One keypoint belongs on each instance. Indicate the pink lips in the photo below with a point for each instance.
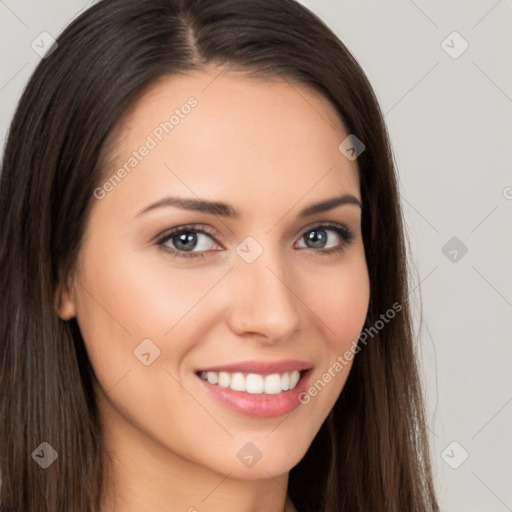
(259, 405)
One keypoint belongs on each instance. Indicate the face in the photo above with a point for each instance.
(207, 324)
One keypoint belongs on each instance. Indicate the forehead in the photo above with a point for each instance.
(220, 133)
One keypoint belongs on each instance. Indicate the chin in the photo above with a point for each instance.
(260, 460)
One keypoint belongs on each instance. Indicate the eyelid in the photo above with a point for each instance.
(199, 228)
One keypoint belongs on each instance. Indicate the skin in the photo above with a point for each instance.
(269, 149)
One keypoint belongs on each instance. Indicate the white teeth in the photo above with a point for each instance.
(285, 381)
(294, 378)
(254, 383)
(237, 382)
(224, 379)
(212, 377)
(273, 384)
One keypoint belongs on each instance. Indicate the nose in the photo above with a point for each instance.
(262, 301)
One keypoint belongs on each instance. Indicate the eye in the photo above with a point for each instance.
(187, 241)
(318, 238)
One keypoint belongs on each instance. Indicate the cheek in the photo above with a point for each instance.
(126, 309)
(125, 301)
(342, 302)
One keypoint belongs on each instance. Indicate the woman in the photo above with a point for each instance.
(205, 304)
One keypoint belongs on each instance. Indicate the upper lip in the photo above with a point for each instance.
(260, 367)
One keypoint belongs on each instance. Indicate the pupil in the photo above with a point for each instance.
(316, 239)
(185, 238)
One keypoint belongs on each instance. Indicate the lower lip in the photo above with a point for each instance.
(261, 405)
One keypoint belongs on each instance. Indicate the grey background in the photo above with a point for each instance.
(450, 123)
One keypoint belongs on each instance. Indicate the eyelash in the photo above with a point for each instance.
(344, 233)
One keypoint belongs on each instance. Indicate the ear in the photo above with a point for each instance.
(65, 302)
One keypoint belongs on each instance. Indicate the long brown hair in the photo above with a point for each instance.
(371, 454)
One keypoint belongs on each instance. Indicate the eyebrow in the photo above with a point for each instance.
(226, 210)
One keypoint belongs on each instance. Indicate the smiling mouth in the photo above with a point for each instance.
(253, 383)
(259, 389)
